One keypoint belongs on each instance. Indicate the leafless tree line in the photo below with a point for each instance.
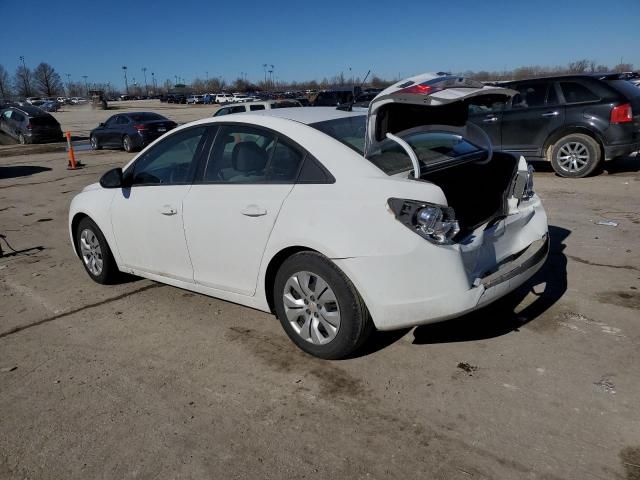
(45, 81)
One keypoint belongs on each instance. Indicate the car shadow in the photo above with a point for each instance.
(622, 165)
(21, 171)
(502, 317)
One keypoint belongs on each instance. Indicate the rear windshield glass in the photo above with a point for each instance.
(47, 121)
(349, 130)
(431, 147)
(145, 117)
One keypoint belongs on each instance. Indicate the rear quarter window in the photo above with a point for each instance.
(576, 92)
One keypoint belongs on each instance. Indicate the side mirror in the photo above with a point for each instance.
(101, 124)
(112, 179)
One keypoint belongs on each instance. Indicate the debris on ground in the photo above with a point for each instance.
(8, 369)
(607, 223)
(467, 367)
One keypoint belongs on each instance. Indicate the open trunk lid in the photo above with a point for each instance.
(428, 99)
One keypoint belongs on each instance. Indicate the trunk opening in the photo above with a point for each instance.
(477, 192)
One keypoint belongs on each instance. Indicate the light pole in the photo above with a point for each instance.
(68, 84)
(146, 87)
(24, 77)
(153, 82)
(86, 85)
(126, 83)
(264, 65)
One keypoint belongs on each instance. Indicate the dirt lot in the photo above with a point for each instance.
(142, 380)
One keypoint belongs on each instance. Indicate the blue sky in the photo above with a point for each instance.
(188, 38)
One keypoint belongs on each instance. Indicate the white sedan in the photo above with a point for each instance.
(337, 221)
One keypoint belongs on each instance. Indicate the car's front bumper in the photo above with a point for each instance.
(436, 283)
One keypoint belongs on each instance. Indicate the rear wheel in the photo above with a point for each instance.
(95, 253)
(94, 143)
(127, 144)
(22, 139)
(319, 308)
(575, 156)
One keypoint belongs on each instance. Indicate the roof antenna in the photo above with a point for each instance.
(349, 107)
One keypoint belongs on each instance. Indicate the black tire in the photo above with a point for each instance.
(585, 148)
(109, 272)
(355, 323)
(95, 145)
(127, 144)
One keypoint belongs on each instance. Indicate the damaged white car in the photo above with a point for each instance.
(337, 221)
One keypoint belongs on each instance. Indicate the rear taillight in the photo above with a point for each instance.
(418, 89)
(436, 223)
(622, 114)
(140, 127)
(28, 127)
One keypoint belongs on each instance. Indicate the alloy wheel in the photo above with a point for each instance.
(311, 307)
(573, 157)
(91, 252)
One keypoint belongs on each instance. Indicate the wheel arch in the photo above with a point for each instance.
(570, 130)
(274, 265)
(75, 221)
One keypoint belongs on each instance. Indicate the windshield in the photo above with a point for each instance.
(432, 147)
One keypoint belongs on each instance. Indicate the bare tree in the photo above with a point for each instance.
(579, 66)
(623, 67)
(22, 81)
(47, 80)
(5, 84)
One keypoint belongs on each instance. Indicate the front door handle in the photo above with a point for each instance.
(253, 211)
(168, 210)
(551, 114)
(490, 119)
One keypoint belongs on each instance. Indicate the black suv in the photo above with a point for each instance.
(30, 125)
(574, 121)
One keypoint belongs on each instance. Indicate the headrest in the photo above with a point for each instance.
(248, 157)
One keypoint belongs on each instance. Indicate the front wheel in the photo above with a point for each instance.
(319, 308)
(575, 156)
(95, 253)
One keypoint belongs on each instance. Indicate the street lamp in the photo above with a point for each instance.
(24, 77)
(153, 82)
(126, 84)
(68, 84)
(146, 87)
(86, 85)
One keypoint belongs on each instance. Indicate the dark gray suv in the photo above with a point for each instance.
(29, 124)
(574, 121)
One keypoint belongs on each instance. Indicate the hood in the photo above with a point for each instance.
(426, 99)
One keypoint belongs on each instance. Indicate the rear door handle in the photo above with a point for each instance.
(253, 211)
(490, 119)
(168, 210)
(551, 114)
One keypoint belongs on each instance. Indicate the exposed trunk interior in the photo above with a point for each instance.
(477, 192)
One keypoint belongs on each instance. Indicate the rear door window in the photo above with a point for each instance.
(530, 95)
(575, 92)
(253, 108)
